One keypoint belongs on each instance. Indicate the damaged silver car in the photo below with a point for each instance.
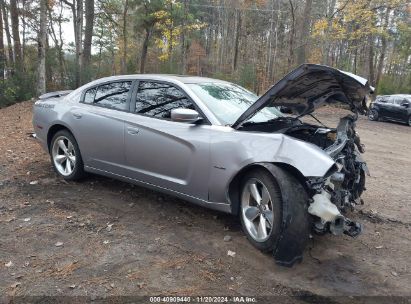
(218, 145)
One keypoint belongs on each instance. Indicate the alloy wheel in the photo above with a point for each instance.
(257, 210)
(372, 115)
(64, 155)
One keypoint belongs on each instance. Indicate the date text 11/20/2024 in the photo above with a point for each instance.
(203, 299)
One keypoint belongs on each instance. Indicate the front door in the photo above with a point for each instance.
(402, 109)
(390, 108)
(165, 153)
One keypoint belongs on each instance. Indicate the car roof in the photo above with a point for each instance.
(163, 77)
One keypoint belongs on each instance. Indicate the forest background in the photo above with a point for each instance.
(49, 45)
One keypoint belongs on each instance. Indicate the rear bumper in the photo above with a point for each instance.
(40, 132)
(43, 143)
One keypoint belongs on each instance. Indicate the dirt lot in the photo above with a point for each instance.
(119, 239)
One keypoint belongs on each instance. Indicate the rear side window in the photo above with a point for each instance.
(89, 96)
(158, 99)
(110, 95)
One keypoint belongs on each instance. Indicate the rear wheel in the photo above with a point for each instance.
(373, 115)
(65, 156)
(261, 206)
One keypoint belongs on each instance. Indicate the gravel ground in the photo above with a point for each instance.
(101, 237)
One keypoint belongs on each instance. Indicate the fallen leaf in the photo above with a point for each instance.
(231, 253)
(9, 264)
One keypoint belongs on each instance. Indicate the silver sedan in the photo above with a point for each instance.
(218, 145)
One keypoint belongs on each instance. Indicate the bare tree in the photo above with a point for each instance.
(7, 31)
(77, 11)
(88, 35)
(304, 31)
(124, 30)
(57, 37)
(326, 48)
(237, 38)
(383, 48)
(42, 37)
(184, 40)
(369, 59)
(290, 59)
(14, 14)
(144, 49)
(2, 56)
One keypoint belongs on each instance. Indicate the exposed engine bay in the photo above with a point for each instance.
(340, 190)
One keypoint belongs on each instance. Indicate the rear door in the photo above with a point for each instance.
(165, 153)
(98, 124)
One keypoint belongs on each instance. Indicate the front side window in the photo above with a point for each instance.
(111, 95)
(391, 100)
(405, 101)
(398, 101)
(158, 99)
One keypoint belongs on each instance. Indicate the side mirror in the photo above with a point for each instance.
(185, 115)
(405, 104)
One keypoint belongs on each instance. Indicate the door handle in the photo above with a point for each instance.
(133, 131)
(77, 115)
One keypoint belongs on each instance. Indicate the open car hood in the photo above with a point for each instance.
(310, 86)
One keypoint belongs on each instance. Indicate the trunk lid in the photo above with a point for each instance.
(55, 94)
(310, 86)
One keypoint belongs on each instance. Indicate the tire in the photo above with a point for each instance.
(66, 157)
(373, 115)
(270, 213)
(409, 121)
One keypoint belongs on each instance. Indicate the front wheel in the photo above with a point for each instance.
(373, 115)
(261, 206)
(65, 156)
(273, 212)
(409, 121)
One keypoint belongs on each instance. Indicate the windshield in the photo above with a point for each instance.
(228, 101)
